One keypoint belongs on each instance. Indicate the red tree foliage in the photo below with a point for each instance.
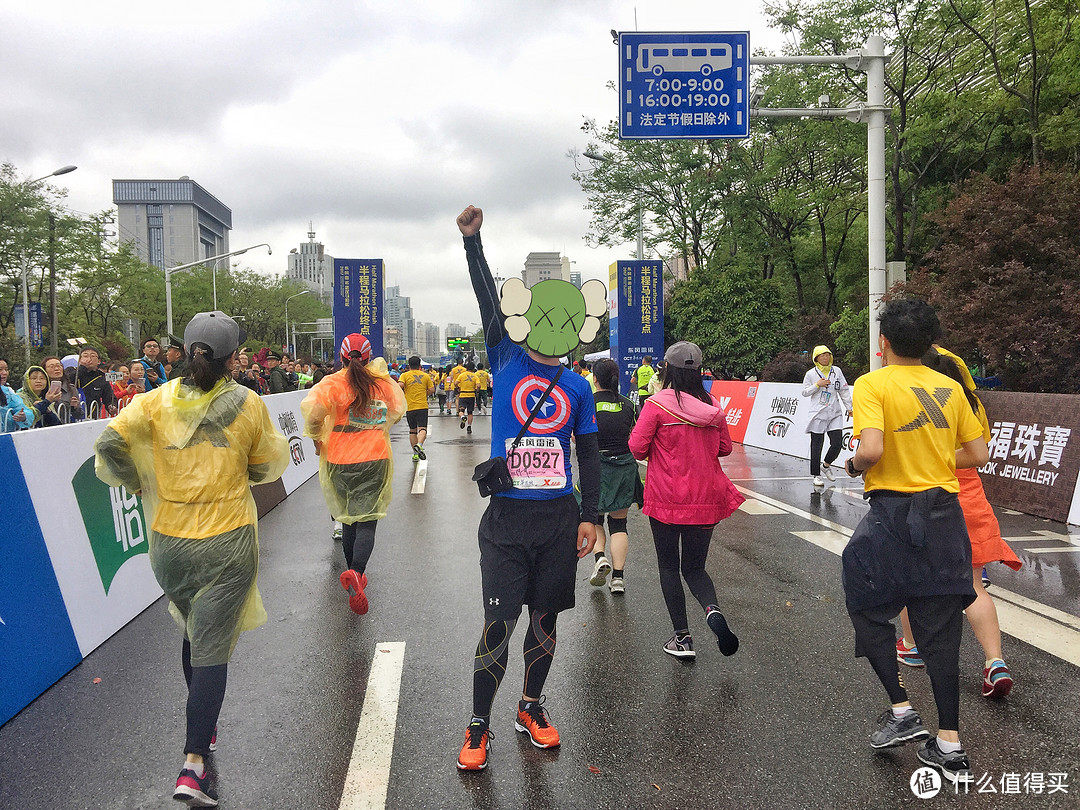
(1005, 279)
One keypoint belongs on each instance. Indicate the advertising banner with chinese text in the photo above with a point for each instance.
(636, 316)
(358, 301)
(1034, 452)
(737, 398)
(779, 419)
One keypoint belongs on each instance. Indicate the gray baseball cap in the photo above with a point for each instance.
(683, 355)
(216, 330)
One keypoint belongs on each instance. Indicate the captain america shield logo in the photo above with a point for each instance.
(554, 413)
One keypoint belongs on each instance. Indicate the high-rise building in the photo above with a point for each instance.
(171, 222)
(541, 266)
(428, 344)
(399, 315)
(455, 330)
(312, 266)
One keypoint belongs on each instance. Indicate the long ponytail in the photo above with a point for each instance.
(362, 382)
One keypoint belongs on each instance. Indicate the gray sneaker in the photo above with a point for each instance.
(893, 731)
(954, 766)
(617, 585)
(826, 469)
(600, 572)
(336, 534)
(680, 646)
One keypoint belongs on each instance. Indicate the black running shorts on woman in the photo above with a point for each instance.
(528, 555)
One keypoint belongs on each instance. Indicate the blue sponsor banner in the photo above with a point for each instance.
(636, 315)
(35, 323)
(358, 301)
(37, 644)
(684, 85)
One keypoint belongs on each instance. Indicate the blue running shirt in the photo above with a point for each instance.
(519, 381)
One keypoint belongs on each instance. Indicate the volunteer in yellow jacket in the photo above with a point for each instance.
(915, 428)
(349, 415)
(192, 447)
(418, 386)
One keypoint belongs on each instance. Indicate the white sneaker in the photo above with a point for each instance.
(336, 534)
(827, 470)
(818, 483)
(600, 572)
(617, 585)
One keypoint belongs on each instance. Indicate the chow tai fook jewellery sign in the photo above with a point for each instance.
(1034, 452)
(358, 301)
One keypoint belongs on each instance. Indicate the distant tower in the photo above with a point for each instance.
(312, 266)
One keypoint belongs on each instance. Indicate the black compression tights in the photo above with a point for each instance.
(489, 665)
(206, 691)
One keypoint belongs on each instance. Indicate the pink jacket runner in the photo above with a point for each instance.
(683, 442)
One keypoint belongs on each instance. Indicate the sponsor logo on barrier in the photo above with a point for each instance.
(785, 405)
(288, 424)
(778, 426)
(114, 522)
(296, 451)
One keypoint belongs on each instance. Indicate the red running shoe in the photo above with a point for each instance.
(534, 722)
(352, 581)
(997, 680)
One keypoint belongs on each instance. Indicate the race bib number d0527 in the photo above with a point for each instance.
(536, 463)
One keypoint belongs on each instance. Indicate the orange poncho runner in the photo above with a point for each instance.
(355, 466)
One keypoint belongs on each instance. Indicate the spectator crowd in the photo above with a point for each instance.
(81, 386)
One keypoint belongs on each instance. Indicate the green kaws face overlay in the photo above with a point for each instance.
(553, 317)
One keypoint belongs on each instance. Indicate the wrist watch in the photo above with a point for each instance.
(851, 467)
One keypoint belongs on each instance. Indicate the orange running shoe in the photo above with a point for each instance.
(534, 722)
(473, 756)
(358, 601)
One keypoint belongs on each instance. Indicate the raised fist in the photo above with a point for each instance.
(470, 220)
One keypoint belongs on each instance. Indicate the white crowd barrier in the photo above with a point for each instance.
(76, 566)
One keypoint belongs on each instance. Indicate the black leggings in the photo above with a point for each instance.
(817, 441)
(358, 541)
(206, 691)
(695, 548)
(492, 653)
(937, 623)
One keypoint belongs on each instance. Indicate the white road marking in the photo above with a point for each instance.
(1057, 550)
(1051, 630)
(419, 479)
(754, 507)
(369, 767)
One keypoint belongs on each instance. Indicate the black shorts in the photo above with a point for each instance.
(417, 419)
(465, 403)
(528, 555)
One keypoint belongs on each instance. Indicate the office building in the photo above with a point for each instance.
(399, 315)
(313, 267)
(428, 344)
(171, 222)
(542, 266)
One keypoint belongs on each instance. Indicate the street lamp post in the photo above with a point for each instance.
(287, 300)
(169, 271)
(594, 155)
(25, 269)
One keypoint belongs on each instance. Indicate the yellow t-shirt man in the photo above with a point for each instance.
(924, 416)
(466, 384)
(417, 385)
(484, 378)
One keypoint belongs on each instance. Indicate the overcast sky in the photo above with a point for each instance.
(376, 121)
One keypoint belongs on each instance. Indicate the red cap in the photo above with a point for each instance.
(355, 343)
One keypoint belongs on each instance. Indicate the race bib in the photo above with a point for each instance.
(537, 463)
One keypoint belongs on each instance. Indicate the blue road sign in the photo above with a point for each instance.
(684, 85)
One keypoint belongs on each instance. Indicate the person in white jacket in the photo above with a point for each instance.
(830, 405)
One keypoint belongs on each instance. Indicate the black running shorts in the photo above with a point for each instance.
(528, 555)
(465, 403)
(417, 419)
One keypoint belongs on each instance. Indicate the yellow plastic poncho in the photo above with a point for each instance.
(356, 468)
(193, 456)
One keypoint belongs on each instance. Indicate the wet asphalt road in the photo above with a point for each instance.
(782, 724)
